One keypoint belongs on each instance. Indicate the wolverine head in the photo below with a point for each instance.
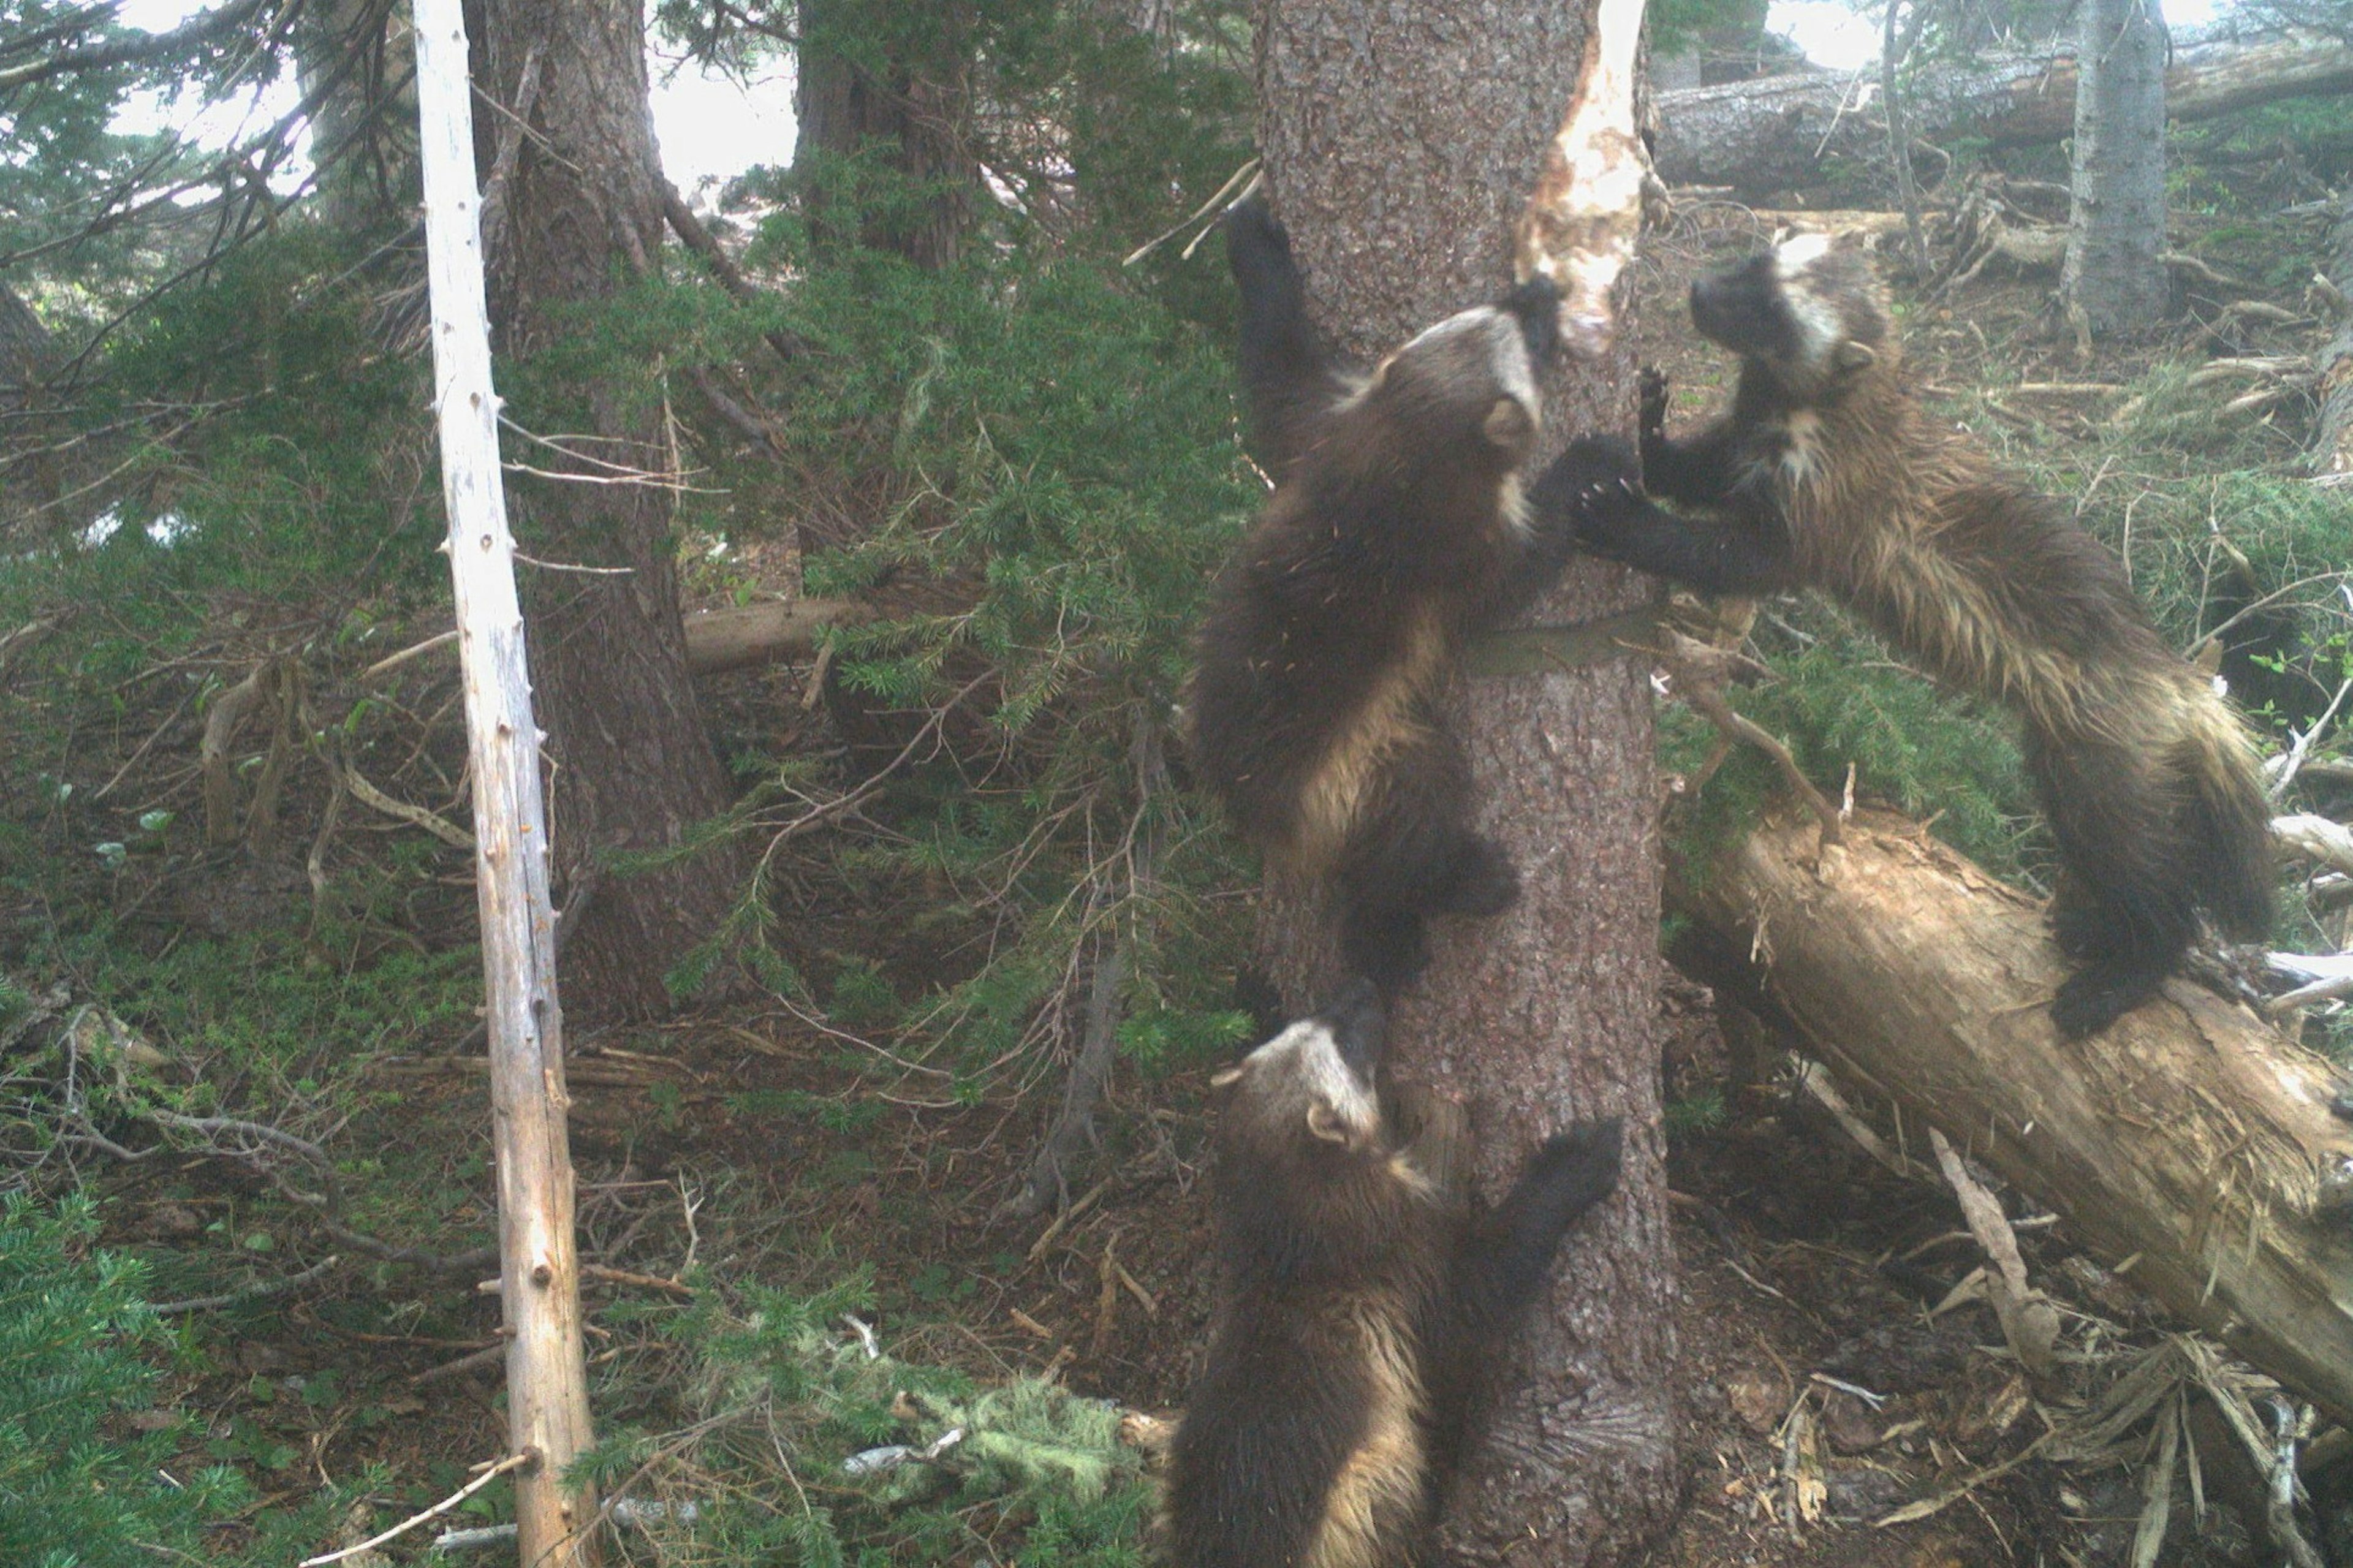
(1811, 310)
(1474, 376)
(1313, 1080)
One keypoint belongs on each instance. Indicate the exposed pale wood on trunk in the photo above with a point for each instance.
(1776, 132)
(539, 1270)
(230, 710)
(2189, 1136)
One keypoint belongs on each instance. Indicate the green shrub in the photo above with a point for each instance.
(79, 1488)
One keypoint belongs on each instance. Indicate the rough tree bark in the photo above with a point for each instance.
(634, 765)
(1401, 143)
(1775, 133)
(2114, 277)
(2188, 1135)
(2333, 448)
(890, 84)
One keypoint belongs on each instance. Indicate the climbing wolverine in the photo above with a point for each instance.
(1827, 473)
(1398, 528)
(1360, 1304)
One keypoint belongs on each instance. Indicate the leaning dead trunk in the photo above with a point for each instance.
(1776, 133)
(2115, 274)
(2188, 1146)
(548, 1425)
(1400, 145)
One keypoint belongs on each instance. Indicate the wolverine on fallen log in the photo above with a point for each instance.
(1827, 473)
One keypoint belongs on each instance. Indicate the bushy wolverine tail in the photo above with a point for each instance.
(2229, 821)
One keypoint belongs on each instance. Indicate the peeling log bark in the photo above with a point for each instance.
(2188, 1136)
(1777, 132)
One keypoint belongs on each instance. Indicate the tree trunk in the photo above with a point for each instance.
(634, 765)
(898, 94)
(357, 57)
(2114, 277)
(1401, 143)
(1777, 132)
(2188, 1134)
(548, 1422)
(2333, 450)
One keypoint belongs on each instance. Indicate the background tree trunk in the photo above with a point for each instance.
(2114, 276)
(359, 58)
(634, 765)
(890, 83)
(1401, 143)
(2333, 450)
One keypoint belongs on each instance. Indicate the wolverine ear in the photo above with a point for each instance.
(1327, 1123)
(1853, 356)
(1508, 427)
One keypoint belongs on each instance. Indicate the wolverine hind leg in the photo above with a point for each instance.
(2127, 903)
(1413, 854)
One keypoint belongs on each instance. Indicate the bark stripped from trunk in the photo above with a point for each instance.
(635, 767)
(539, 1269)
(1776, 133)
(1580, 226)
(2188, 1138)
(1399, 143)
(2114, 276)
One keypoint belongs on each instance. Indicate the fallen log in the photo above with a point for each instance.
(1777, 132)
(716, 640)
(2188, 1146)
(747, 635)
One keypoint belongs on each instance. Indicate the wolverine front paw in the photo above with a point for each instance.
(1593, 488)
(1257, 247)
(1655, 402)
(1578, 1167)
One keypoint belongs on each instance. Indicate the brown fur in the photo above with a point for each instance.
(1399, 528)
(1359, 1301)
(1827, 473)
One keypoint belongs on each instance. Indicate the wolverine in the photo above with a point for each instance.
(1827, 473)
(1399, 528)
(1361, 1304)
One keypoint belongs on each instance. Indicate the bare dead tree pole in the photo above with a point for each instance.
(539, 1276)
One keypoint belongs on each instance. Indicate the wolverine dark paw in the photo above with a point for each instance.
(1653, 424)
(2075, 923)
(1578, 1168)
(1388, 947)
(1257, 246)
(2095, 997)
(1536, 305)
(1593, 487)
(1482, 882)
